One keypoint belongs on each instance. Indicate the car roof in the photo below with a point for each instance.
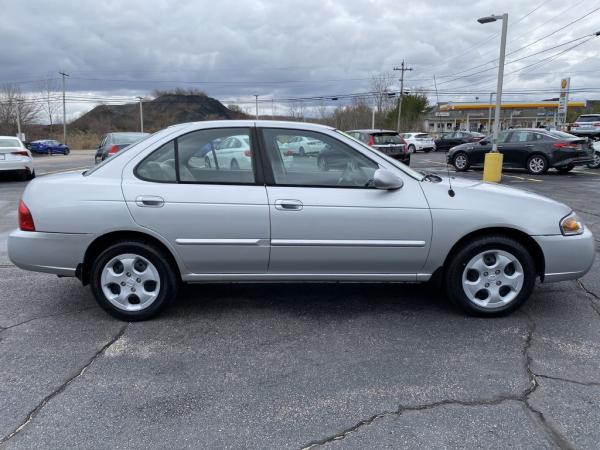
(372, 130)
(591, 114)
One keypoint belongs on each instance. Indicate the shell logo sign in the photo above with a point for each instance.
(564, 83)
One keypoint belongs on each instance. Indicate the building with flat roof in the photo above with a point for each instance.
(475, 116)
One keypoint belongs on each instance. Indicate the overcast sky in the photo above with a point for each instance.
(234, 49)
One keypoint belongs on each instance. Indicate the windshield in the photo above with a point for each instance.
(413, 173)
(128, 138)
(588, 119)
(4, 142)
(386, 138)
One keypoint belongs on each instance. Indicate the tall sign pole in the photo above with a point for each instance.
(563, 102)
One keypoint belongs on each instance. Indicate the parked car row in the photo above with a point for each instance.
(533, 149)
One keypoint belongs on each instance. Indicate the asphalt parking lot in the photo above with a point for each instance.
(301, 365)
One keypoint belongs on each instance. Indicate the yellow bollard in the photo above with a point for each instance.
(492, 167)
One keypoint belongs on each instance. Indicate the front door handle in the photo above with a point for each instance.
(150, 201)
(288, 205)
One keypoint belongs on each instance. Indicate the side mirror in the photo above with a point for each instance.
(384, 179)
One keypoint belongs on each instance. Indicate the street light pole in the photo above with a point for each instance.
(490, 113)
(141, 116)
(499, 86)
(256, 99)
(19, 118)
(492, 166)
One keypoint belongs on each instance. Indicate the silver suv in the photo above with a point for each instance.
(587, 125)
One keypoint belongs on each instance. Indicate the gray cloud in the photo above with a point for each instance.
(285, 48)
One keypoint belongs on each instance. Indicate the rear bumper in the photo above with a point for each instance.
(11, 166)
(578, 161)
(567, 257)
(57, 253)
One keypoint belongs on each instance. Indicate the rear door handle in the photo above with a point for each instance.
(288, 205)
(149, 201)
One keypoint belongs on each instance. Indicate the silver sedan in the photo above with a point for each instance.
(153, 216)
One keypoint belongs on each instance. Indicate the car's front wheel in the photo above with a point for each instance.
(461, 162)
(596, 163)
(133, 280)
(412, 149)
(490, 276)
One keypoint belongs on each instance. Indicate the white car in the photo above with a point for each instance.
(301, 146)
(419, 141)
(232, 153)
(14, 157)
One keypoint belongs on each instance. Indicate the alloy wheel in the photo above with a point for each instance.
(537, 164)
(460, 161)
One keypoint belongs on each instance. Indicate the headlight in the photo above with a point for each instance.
(571, 225)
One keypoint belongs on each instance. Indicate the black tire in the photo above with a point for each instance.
(234, 165)
(456, 266)
(565, 169)
(596, 163)
(301, 151)
(427, 150)
(207, 162)
(67, 151)
(30, 175)
(169, 282)
(412, 149)
(537, 164)
(459, 165)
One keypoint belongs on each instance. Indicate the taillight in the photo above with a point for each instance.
(25, 218)
(566, 145)
(114, 149)
(248, 153)
(371, 141)
(20, 153)
(596, 124)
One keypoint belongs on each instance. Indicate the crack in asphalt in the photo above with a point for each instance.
(45, 317)
(595, 307)
(555, 437)
(34, 412)
(567, 380)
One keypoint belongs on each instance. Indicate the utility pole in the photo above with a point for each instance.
(19, 118)
(64, 109)
(256, 98)
(402, 69)
(141, 116)
(272, 108)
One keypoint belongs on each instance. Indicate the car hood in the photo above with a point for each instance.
(496, 205)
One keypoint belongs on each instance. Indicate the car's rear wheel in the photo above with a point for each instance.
(301, 151)
(537, 165)
(412, 149)
(461, 162)
(207, 162)
(67, 151)
(133, 280)
(234, 164)
(490, 276)
(427, 150)
(565, 169)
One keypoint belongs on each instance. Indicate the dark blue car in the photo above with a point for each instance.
(48, 146)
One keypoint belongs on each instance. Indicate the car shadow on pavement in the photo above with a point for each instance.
(318, 299)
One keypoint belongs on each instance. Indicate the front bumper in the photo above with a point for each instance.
(57, 253)
(567, 257)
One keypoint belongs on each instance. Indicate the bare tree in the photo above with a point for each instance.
(380, 85)
(12, 98)
(51, 101)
